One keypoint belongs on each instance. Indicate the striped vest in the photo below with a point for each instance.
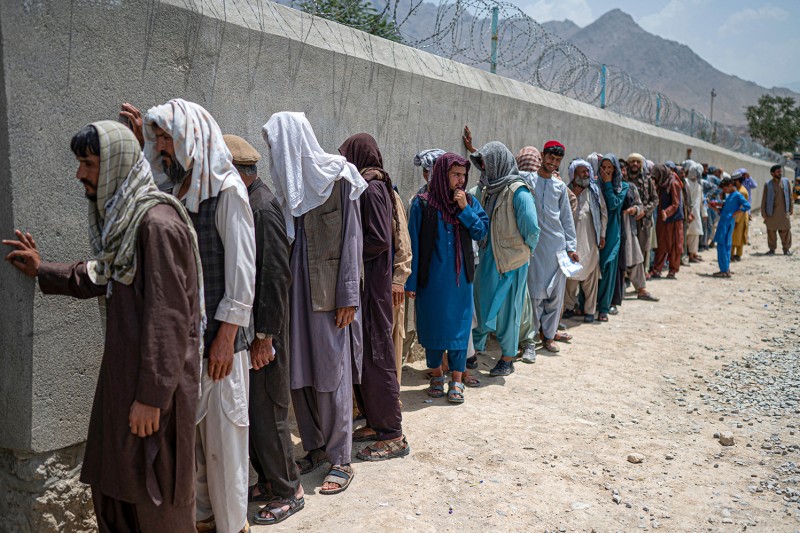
(212, 256)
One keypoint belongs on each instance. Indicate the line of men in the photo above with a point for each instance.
(224, 301)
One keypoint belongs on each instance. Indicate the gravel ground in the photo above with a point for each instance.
(629, 428)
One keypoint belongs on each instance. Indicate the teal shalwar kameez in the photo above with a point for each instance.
(609, 256)
(499, 298)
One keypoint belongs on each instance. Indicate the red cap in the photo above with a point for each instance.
(553, 144)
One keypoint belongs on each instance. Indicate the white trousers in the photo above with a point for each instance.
(693, 243)
(221, 446)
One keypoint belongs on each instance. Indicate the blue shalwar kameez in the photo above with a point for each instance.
(734, 203)
(444, 307)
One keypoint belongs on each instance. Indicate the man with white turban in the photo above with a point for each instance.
(694, 226)
(590, 218)
(319, 193)
(186, 149)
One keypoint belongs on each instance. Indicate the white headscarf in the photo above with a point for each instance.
(579, 163)
(302, 172)
(695, 172)
(594, 160)
(198, 145)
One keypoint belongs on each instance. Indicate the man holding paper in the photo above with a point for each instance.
(546, 281)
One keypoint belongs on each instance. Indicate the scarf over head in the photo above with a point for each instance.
(199, 146)
(440, 197)
(427, 158)
(303, 174)
(616, 178)
(694, 171)
(662, 175)
(499, 171)
(594, 191)
(126, 191)
(594, 160)
(529, 159)
(362, 151)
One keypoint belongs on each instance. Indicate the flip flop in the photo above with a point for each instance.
(563, 337)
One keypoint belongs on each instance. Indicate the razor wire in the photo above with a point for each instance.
(461, 30)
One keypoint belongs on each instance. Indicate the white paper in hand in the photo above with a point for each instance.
(567, 266)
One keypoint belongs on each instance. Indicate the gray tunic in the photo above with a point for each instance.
(558, 234)
(319, 351)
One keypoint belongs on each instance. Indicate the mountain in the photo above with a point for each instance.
(665, 66)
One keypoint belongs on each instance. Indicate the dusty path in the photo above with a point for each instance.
(546, 448)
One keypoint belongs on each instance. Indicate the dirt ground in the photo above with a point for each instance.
(546, 449)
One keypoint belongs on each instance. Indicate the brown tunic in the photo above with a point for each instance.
(151, 355)
(780, 219)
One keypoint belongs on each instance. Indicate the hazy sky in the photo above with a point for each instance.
(752, 39)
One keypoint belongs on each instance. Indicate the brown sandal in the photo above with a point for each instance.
(364, 434)
(385, 449)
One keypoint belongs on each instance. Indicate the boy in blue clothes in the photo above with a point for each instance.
(734, 202)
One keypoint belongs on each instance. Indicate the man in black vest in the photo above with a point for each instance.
(185, 147)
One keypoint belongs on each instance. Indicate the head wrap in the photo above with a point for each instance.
(662, 176)
(671, 165)
(594, 160)
(302, 172)
(740, 171)
(712, 169)
(574, 166)
(695, 171)
(498, 172)
(439, 196)
(362, 151)
(616, 178)
(636, 157)
(199, 146)
(647, 168)
(498, 168)
(427, 158)
(529, 159)
(126, 191)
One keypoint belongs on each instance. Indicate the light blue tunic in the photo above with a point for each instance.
(444, 308)
(499, 298)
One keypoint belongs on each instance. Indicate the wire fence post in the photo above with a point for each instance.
(691, 126)
(495, 16)
(603, 73)
(658, 109)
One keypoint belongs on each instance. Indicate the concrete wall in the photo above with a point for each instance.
(65, 64)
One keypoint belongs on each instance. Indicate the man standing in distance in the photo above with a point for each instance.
(777, 209)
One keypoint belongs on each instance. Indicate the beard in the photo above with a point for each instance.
(174, 170)
(583, 183)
